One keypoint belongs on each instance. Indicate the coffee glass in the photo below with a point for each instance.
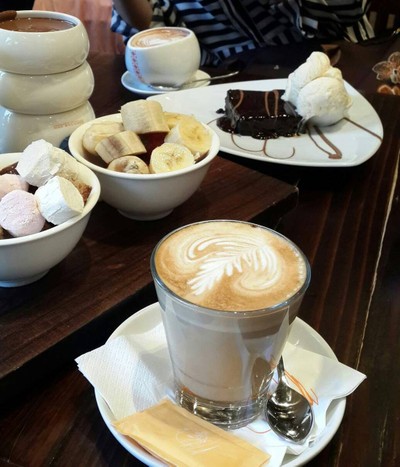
(229, 291)
(166, 56)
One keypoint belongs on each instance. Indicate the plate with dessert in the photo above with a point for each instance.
(313, 118)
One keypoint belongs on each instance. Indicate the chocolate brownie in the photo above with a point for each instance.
(260, 114)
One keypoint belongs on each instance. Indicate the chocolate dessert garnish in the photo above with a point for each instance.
(259, 114)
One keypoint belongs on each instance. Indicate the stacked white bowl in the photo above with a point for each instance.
(45, 82)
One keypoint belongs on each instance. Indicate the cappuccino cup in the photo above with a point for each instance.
(228, 291)
(167, 56)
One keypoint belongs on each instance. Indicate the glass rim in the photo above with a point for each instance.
(242, 313)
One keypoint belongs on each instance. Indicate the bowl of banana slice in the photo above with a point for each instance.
(148, 161)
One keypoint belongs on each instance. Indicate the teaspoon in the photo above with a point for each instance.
(288, 413)
(161, 87)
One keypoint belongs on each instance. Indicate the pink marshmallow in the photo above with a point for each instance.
(19, 214)
(10, 182)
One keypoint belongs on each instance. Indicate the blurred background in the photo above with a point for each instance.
(96, 14)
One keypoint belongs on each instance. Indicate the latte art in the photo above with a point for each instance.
(159, 36)
(256, 266)
(230, 266)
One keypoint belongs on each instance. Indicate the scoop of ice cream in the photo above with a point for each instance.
(59, 200)
(315, 66)
(41, 161)
(19, 214)
(323, 101)
(316, 90)
(11, 182)
(333, 72)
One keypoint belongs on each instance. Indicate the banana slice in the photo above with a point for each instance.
(98, 131)
(129, 165)
(143, 116)
(118, 145)
(170, 157)
(191, 133)
(173, 118)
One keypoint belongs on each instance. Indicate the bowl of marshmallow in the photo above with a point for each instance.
(46, 198)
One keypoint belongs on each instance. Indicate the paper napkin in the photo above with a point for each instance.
(133, 373)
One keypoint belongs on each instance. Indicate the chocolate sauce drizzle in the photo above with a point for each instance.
(363, 128)
(335, 152)
(267, 94)
(276, 102)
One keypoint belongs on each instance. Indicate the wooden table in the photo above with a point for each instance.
(347, 223)
(80, 302)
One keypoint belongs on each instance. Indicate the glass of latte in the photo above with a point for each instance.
(165, 56)
(228, 291)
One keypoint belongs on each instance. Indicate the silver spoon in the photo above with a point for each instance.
(288, 413)
(161, 87)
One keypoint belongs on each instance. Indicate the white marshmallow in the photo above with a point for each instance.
(41, 161)
(59, 200)
(11, 182)
(19, 214)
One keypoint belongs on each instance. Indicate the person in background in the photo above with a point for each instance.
(228, 27)
(16, 5)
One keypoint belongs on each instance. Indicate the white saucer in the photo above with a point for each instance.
(301, 335)
(129, 83)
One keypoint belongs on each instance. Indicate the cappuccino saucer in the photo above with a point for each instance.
(148, 321)
(132, 85)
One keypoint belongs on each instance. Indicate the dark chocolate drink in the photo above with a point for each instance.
(36, 24)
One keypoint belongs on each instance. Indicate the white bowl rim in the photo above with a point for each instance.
(45, 14)
(77, 135)
(90, 204)
(83, 68)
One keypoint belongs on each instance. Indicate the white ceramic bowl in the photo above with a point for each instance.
(38, 53)
(24, 260)
(149, 196)
(17, 130)
(46, 94)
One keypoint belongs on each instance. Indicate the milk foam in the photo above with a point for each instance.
(152, 38)
(231, 266)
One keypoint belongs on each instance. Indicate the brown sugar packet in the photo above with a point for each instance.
(180, 438)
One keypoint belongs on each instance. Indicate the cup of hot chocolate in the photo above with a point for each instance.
(167, 56)
(35, 42)
(45, 80)
(229, 291)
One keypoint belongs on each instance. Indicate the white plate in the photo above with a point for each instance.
(301, 335)
(355, 143)
(129, 83)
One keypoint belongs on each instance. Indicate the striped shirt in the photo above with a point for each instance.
(228, 27)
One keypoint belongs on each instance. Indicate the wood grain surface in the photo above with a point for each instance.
(347, 221)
